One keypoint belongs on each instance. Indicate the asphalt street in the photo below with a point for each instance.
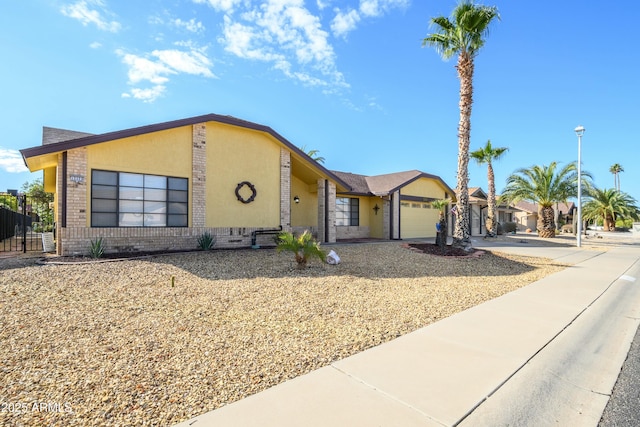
(623, 409)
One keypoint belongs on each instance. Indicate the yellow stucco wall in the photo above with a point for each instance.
(424, 187)
(166, 153)
(376, 220)
(235, 155)
(304, 213)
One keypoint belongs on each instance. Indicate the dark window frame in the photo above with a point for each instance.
(110, 189)
(352, 216)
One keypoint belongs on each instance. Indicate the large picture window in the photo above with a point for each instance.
(347, 211)
(120, 199)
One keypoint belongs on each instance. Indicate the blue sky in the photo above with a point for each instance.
(348, 78)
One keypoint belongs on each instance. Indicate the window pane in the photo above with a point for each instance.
(131, 179)
(178, 208)
(155, 207)
(154, 220)
(102, 205)
(104, 177)
(131, 193)
(104, 192)
(153, 181)
(130, 220)
(178, 184)
(153, 194)
(177, 221)
(178, 196)
(104, 220)
(131, 206)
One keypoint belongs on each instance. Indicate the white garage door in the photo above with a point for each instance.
(417, 220)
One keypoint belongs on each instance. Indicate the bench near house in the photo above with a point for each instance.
(159, 187)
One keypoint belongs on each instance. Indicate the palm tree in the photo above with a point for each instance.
(544, 185)
(303, 247)
(615, 169)
(463, 36)
(486, 155)
(441, 236)
(608, 204)
(313, 154)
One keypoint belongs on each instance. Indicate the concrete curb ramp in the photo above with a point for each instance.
(464, 369)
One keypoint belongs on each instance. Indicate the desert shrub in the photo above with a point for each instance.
(96, 248)
(206, 241)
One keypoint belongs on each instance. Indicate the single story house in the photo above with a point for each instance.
(526, 216)
(161, 186)
(478, 211)
(395, 205)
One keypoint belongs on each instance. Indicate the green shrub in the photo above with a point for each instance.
(206, 241)
(96, 248)
(303, 247)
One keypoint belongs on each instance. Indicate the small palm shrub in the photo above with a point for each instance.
(303, 247)
(96, 248)
(206, 241)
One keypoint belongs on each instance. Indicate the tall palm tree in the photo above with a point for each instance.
(544, 185)
(462, 35)
(615, 169)
(488, 154)
(608, 204)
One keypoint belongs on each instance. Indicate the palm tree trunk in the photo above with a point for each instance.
(462, 232)
(491, 202)
(546, 223)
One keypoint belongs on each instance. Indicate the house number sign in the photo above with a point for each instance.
(251, 187)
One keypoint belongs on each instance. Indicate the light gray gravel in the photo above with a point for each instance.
(115, 344)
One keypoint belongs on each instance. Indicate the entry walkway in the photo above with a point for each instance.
(441, 374)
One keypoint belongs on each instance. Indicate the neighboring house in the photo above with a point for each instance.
(390, 206)
(478, 211)
(527, 215)
(161, 186)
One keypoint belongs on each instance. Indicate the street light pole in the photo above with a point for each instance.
(579, 131)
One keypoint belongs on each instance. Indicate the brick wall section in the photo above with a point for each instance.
(199, 176)
(332, 212)
(385, 218)
(285, 189)
(77, 190)
(328, 210)
(59, 201)
(352, 232)
(151, 239)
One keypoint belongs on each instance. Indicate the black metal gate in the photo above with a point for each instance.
(22, 222)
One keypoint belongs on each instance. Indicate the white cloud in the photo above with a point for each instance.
(285, 33)
(344, 23)
(146, 95)
(159, 65)
(11, 161)
(191, 25)
(95, 45)
(193, 62)
(220, 5)
(86, 11)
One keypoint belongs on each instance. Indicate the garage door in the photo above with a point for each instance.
(417, 220)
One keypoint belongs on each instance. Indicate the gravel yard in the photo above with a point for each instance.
(116, 343)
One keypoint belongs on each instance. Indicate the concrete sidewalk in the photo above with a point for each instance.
(438, 375)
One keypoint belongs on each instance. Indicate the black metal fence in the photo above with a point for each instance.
(21, 226)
